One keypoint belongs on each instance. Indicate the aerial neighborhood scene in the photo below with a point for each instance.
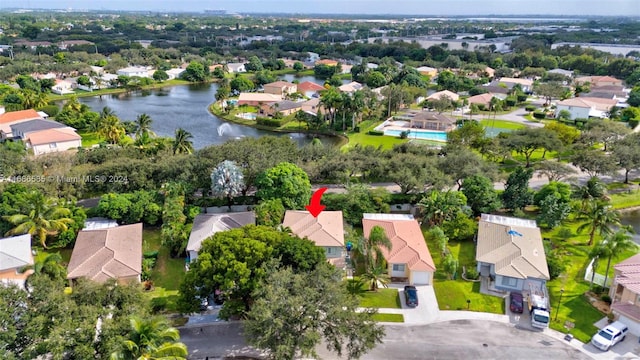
(358, 179)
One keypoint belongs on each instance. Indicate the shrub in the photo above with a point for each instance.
(471, 272)
(521, 97)
(356, 129)
(606, 298)
(404, 134)
(510, 101)
(268, 122)
(375, 132)
(634, 122)
(539, 115)
(51, 110)
(158, 304)
(150, 254)
(530, 108)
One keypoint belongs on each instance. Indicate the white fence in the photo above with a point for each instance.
(598, 279)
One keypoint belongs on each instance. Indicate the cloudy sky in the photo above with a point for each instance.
(416, 7)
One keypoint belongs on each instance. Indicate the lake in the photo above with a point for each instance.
(185, 106)
(632, 218)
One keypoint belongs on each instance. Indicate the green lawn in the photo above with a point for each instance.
(501, 124)
(625, 200)
(364, 139)
(388, 318)
(383, 298)
(90, 138)
(167, 273)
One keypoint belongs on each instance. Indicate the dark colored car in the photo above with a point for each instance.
(411, 295)
(515, 302)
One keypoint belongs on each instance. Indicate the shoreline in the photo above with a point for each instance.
(344, 140)
(113, 91)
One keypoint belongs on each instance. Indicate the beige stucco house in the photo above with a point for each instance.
(409, 259)
(326, 231)
(281, 88)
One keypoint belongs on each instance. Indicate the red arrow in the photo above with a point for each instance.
(314, 207)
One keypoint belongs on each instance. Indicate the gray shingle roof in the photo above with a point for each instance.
(35, 125)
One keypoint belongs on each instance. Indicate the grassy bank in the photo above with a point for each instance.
(109, 91)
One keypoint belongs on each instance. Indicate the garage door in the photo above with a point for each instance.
(634, 327)
(421, 277)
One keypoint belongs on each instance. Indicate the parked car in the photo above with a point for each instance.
(610, 335)
(411, 295)
(515, 302)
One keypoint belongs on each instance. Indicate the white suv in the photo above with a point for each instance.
(609, 336)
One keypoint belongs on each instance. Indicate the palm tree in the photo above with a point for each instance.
(111, 129)
(376, 275)
(613, 245)
(143, 128)
(106, 112)
(599, 217)
(41, 216)
(73, 104)
(48, 266)
(594, 189)
(151, 339)
(182, 142)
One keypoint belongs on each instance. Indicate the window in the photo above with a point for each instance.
(53, 146)
(398, 267)
(509, 281)
(330, 250)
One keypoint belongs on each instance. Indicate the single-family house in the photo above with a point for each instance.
(15, 253)
(284, 107)
(256, 99)
(444, 93)
(372, 66)
(282, 88)
(236, 68)
(525, 84)
(103, 254)
(598, 80)
(428, 71)
(484, 99)
(409, 258)
(430, 120)
(206, 225)
(310, 89)
(23, 129)
(312, 57)
(66, 44)
(33, 44)
(351, 87)
(625, 293)
(326, 231)
(175, 73)
(510, 253)
(346, 69)
(327, 62)
(53, 140)
(62, 87)
(312, 106)
(288, 63)
(14, 117)
(138, 71)
(586, 107)
(563, 72)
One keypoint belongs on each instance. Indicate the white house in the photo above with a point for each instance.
(175, 73)
(586, 107)
(53, 140)
(409, 258)
(206, 225)
(236, 68)
(134, 71)
(62, 87)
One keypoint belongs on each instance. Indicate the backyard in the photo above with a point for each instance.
(168, 271)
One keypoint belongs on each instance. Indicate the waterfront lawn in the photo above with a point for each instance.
(388, 317)
(363, 139)
(501, 124)
(625, 199)
(90, 138)
(383, 298)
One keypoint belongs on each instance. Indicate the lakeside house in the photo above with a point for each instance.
(281, 88)
(138, 71)
(256, 99)
(53, 140)
(310, 89)
(284, 107)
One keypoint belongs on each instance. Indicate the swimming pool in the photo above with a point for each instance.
(419, 134)
(248, 116)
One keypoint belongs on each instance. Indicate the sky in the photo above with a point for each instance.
(413, 7)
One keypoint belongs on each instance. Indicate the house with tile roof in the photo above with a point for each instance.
(625, 293)
(23, 129)
(428, 71)
(510, 253)
(284, 107)
(53, 140)
(281, 88)
(14, 117)
(444, 93)
(111, 253)
(351, 87)
(409, 259)
(15, 253)
(326, 231)
(310, 89)
(586, 107)
(599, 80)
(236, 68)
(256, 99)
(484, 99)
(525, 84)
(207, 225)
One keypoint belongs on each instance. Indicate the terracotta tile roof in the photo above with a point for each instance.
(480, 99)
(105, 254)
(15, 252)
(327, 62)
(51, 136)
(408, 244)
(325, 230)
(628, 273)
(279, 84)
(524, 82)
(589, 102)
(206, 225)
(13, 116)
(258, 97)
(351, 87)
(310, 86)
(513, 245)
